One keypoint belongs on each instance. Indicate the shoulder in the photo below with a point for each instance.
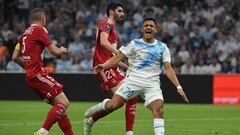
(43, 29)
(137, 41)
(106, 24)
(106, 21)
(132, 42)
(40, 29)
(161, 44)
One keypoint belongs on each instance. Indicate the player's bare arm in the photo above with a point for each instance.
(123, 65)
(110, 63)
(16, 57)
(106, 44)
(54, 50)
(173, 78)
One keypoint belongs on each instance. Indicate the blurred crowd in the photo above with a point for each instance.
(203, 35)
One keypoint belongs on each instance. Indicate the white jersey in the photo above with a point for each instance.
(145, 59)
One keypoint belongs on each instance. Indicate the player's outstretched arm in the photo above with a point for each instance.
(54, 50)
(107, 45)
(16, 56)
(123, 65)
(173, 78)
(110, 63)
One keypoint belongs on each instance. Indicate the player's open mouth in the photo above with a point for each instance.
(148, 33)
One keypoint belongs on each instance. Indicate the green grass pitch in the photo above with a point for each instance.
(24, 117)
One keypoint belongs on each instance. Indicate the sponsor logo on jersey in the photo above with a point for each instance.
(26, 58)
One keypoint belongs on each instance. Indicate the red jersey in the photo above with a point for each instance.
(101, 54)
(32, 43)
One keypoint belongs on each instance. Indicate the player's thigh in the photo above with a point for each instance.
(46, 87)
(117, 101)
(156, 105)
(151, 94)
(61, 98)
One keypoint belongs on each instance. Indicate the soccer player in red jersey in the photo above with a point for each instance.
(106, 48)
(27, 54)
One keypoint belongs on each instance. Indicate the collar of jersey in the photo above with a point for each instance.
(36, 25)
(155, 41)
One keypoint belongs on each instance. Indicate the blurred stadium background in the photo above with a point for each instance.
(203, 37)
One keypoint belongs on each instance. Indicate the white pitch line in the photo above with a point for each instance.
(6, 123)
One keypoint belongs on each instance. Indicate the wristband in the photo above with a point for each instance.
(179, 87)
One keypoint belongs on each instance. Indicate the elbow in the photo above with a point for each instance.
(102, 43)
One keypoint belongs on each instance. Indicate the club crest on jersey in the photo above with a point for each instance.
(107, 27)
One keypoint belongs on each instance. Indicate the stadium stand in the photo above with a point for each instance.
(203, 36)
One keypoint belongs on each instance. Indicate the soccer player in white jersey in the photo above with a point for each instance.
(146, 56)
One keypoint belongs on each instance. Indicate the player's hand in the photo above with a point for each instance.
(63, 50)
(98, 68)
(182, 93)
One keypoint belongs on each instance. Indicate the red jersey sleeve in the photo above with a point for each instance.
(43, 37)
(105, 27)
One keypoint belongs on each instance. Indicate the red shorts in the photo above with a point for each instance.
(110, 78)
(45, 86)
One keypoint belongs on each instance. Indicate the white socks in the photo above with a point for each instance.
(158, 125)
(90, 121)
(104, 103)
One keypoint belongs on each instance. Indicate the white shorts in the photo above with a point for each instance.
(148, 91)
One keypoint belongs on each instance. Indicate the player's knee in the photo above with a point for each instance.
(158, 112)
(67, 103)
(111, 106)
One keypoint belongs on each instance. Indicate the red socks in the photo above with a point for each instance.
(65, 125)
(54, 115)
(57, 114)
(130, 111)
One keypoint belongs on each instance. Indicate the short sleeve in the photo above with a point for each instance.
(105, 27)
(166, 55)
(127, 49)
(43, 37)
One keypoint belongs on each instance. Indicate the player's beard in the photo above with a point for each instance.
(119, 20)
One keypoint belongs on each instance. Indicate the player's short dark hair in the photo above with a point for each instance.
(150, 19)
(112, 6)
(36, 14)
